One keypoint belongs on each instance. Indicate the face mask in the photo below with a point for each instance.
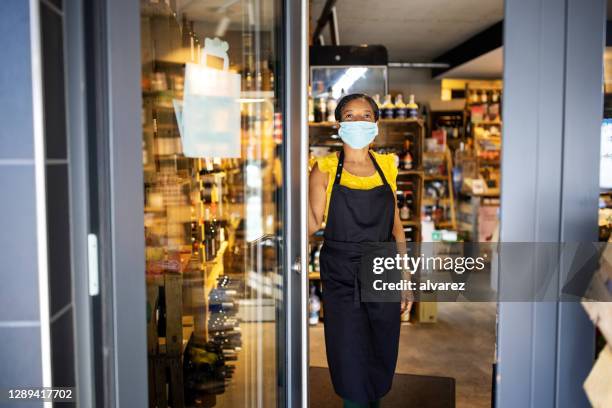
(358, 134)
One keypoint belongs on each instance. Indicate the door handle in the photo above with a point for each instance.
(297, 265)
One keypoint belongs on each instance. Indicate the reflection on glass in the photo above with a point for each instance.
(210, 151)
(345, 80)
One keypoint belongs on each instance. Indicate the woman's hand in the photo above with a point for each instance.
(406, 302)
(406, 306)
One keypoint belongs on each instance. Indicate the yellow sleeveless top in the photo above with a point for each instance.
(329, 164)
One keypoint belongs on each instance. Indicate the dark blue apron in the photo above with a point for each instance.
(361, 338)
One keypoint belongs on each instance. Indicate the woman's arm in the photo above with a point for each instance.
(400, 239)
(317, 200)
(398, 232)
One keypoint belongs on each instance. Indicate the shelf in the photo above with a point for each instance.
(399, 121)
(487, 123)
(151, 93)
(380, 121)
(438, 177)
(445, 224)
(324, 124)
(411, 223)
(434, 154)
(314, 275)
(410, 172)
(257, 94)
(432, 201)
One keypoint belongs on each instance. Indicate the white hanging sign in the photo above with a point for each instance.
(209, 118)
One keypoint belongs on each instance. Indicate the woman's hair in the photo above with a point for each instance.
(351, 97)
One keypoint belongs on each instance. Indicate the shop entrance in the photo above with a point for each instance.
(440, 98)
(227, 271)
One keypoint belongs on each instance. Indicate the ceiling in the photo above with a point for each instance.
(412, 30)
(487, 66)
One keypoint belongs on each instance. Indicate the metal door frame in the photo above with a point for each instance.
(295, 64)
(119, 36)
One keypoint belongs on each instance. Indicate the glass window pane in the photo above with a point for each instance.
(211, 153)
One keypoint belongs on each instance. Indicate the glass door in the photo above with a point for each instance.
(213, 159)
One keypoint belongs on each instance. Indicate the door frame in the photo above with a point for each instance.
(119, 76)
(553, 106)
(296, 199)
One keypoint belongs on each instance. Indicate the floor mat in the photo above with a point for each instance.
(408, 391)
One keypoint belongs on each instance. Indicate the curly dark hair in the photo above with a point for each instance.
(351, 97)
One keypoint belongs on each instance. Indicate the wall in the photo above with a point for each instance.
(419, 82)
(20, 329)
(36, 321)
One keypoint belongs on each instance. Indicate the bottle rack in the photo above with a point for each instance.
(483, 123)
(438, 178)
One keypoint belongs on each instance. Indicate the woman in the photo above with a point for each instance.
(353, 191)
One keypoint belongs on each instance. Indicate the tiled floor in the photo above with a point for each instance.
(460, 345)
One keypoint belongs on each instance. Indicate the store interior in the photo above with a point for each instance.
(214, 213)
(441, 116)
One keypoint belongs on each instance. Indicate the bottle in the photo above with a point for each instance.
(388, 108)
(160, 312)
(145, 156)
(216, 228)
(272, 79)
(330, 106)
(265, 71)
(258, 80)
(185, 33)
(314, 306)
(377, 100)
(248, 79)
(413, 108)
(209, 236)
(401, 112)
(404, 210)
(311, 106)
(320, 110)
(406, 158)
(484, 101)
(310, 259)
(493, 112)
(457, 171)
(317, 256)
(409, 203)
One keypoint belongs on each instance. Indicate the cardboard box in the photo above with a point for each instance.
(598, 385)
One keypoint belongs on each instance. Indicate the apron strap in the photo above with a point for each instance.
(339, 168)
(380, 172)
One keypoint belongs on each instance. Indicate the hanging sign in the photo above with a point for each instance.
(209, 118)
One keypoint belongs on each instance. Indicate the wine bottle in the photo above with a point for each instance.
(388, 108)
(401, 112)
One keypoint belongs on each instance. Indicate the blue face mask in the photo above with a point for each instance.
(358, 134)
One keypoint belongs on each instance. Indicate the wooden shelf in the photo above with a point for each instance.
(487, 123)
(437, 177)
(316, 275)
(432, 201)
(415, 172)
(324, 124)
(407, 120)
